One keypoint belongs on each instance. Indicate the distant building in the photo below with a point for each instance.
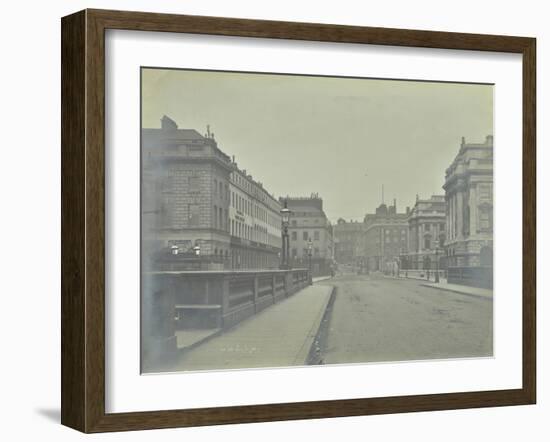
(196, 200)
(308, 221)
(348, 241)
(426, 234)
(469, 195)
(386, 237)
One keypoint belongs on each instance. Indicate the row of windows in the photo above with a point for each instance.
(395, 239)
(249, 187)
(242, 182)
(429, 227)
(221, 219)
(238, 202)
(305, 252)
(305, 235)
(294, 222)
(222, 253)
(253, 233)
(395, 232)
(236, 228)
(248, 207)
(219, 190)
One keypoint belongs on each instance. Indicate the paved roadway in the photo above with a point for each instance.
(381, 319)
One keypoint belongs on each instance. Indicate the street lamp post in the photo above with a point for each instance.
(439, 243)
(285, 218)
(309, 245)
(437, 261)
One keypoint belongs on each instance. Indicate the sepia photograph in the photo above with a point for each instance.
(303, 220)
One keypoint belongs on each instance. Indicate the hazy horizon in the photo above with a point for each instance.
(343, 138)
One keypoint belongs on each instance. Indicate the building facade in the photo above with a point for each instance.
(255, 223)
(196, 201)
(349, 241)
(385, 238)
(469, 196)
(310, 229)
(426, 223)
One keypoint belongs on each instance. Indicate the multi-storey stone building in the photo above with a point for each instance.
(349, 242)
(386, 238)
(196, 199)
(308, 222)
(255, 223)
(469, 196)
(426, 234)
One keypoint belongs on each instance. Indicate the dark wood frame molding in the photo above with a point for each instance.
(83, 217)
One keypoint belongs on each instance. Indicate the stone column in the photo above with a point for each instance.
(473, 210)
(450, 221)
(459, 212)
(420, 237)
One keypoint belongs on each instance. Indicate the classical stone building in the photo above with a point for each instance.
(196, 200)
(469, 196)
(426, 234)
(349, 241)
(308, 222)
(385, 238)
(255, 223)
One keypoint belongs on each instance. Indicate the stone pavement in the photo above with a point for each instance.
(280, 335)
(189, 338)
(320, 278)
(464, 289)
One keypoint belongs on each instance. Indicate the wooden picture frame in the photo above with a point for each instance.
(83, 220)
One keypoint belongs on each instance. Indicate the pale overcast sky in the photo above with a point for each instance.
(340, 137)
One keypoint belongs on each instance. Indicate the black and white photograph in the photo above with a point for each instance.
(265, 221)
(299, 220)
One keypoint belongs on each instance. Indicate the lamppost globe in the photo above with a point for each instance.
(285, 214)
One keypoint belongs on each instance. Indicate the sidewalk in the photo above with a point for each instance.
(320, 278)
(463, 289)
(190, 338)
(418, 276)
(279, 336)
(415, 278)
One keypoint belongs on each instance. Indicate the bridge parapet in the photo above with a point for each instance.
(179, 300)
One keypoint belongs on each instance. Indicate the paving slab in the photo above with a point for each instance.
(278, 336)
